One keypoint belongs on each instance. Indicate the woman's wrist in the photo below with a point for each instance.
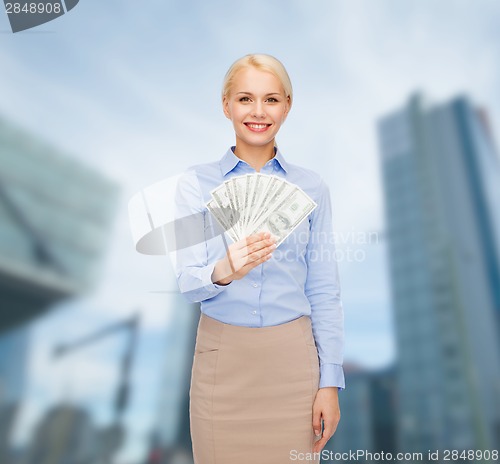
(220, 274)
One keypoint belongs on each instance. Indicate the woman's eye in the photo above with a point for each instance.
(244, 99)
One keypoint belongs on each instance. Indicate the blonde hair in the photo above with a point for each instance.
(261, 62)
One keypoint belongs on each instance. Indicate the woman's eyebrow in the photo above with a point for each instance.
(267, 94)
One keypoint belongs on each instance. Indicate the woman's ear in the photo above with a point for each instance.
(287, 109)
(225, 107)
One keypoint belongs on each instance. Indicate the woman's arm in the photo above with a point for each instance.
(323, 292)
(198, 279)
(327, 317)
(192, 269)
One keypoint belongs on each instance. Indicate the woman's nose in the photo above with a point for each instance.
(258, 111)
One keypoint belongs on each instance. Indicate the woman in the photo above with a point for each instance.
(268, 357)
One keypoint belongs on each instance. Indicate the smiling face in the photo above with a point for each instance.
(257, 106)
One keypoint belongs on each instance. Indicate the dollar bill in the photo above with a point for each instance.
(252, 203)
(222, 199)
(222, 218)
(268, 187)
(286, 215)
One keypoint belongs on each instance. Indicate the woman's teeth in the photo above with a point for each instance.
(257, 126)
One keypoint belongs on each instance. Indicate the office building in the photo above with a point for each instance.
(441, 178)
(368, 412)
(172, 432)
(14, 345)
(55, 215)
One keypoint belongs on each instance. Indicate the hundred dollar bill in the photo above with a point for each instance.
(238, 188)
(221, 217)
(241, 189)
(252, 203)
(254, 186)
(270, 186)
(277, 190)
(281, 220)
(237, 185)
(259, 185)
(228, 185)
(223, 200)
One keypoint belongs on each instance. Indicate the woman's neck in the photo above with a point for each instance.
(255, 156)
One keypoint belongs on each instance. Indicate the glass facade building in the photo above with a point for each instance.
(14, 345)
(55, 215)
(173, 429)
(441, 177)
(368, 412)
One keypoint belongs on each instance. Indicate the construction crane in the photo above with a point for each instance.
(112, 437)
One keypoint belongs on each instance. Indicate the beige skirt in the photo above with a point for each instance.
(252, 392)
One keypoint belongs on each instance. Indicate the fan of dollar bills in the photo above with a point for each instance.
(253, 203)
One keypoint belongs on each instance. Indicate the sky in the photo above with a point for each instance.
(133, 89)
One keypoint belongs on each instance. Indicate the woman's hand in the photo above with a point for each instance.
(326, 407)
(242, 257)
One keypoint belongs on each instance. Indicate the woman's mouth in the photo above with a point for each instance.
(257, 127)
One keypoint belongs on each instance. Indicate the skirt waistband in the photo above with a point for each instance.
(269, 335)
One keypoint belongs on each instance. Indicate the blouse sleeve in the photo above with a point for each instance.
(192, 269)
(323, 292)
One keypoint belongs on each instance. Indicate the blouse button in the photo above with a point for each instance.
(254, 285)
(254, 312)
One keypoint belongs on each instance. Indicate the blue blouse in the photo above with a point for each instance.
(301, 277)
